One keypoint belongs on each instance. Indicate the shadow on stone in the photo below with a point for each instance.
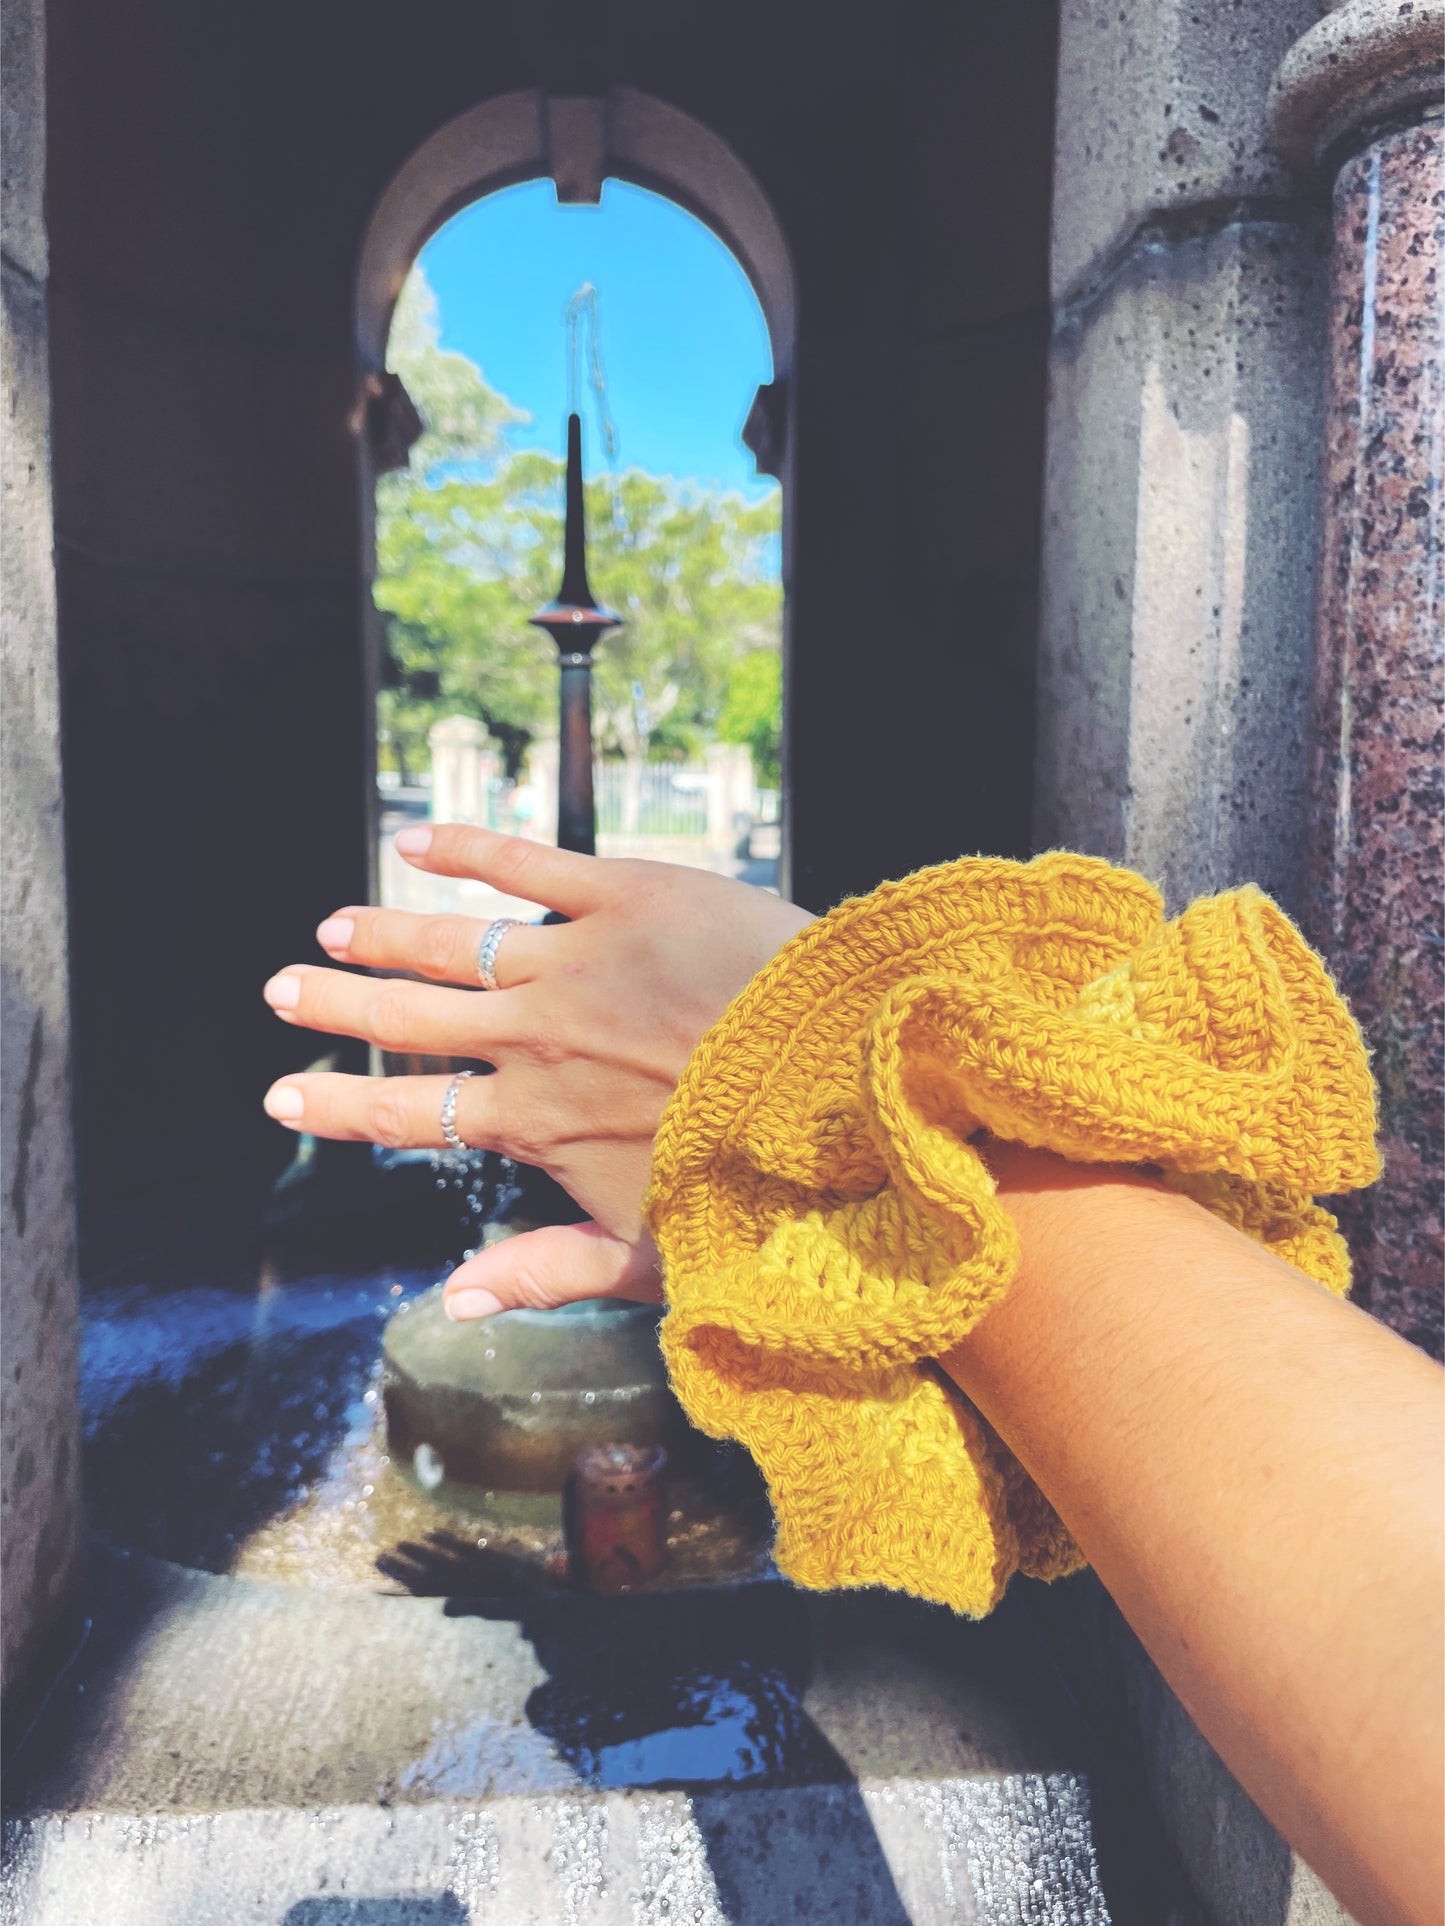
(642, 1693)
(1173, 1828)
(399, 1909)
(705, 1700)
(761, 1852)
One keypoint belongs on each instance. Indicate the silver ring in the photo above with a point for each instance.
(487, 949)
(449, 1111)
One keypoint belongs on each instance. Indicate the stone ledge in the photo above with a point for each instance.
(226, 1748)
(204, 1693)
(920, 1853)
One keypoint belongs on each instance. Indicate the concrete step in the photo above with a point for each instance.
(226, 1751)
(999, 1851)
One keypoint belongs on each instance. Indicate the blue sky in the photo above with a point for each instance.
(684, 344)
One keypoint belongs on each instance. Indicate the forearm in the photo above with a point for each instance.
(1253, 1468)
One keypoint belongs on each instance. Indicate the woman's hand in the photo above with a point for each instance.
(589, 1031)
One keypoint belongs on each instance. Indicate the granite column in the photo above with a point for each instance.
(1358, 98)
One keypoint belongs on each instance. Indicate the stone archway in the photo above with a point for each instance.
(577, 142)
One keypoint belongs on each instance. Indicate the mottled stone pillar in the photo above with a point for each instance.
(1376, 861)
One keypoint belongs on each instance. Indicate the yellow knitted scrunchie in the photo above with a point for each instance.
(827, 1228)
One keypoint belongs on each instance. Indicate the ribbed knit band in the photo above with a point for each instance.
(827, 1228)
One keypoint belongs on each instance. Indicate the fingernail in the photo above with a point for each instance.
(284, 1102)
(336, 933)
(413, 842)
(463, 1305)
(283, 992)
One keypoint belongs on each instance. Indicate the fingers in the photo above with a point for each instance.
(534, 871)
(561, 1264)
(399, 1112)
(441, 947)
(393, 1013)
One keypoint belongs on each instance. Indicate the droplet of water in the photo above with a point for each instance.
(589, 1397)
(428, 1466)
(536, 1397)
(489, 1353)
(481, 1544)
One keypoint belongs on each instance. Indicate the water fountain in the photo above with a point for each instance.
(487, 1419)
(286, 1403)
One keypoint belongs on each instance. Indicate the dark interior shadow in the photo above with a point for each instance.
(187, 1468)
(702, 1692)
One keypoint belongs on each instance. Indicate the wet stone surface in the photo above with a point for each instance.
(235, 1424)
(501, 1746)
(241, 1431)
(752, 1754)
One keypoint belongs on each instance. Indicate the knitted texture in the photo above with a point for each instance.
(827, 1228)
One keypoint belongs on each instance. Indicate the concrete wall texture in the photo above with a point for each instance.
(1185, 409)
(39, 1445)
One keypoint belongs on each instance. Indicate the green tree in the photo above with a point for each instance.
(469, 543)
(752, 711)
(449, 653)
(692, 575)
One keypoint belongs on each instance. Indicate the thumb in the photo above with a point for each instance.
(560, 1264)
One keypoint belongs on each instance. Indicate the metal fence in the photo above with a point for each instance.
(652, 799)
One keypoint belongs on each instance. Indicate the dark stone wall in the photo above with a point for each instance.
(213, 171)
(40, 1539)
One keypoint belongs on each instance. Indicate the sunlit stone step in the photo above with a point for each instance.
(225, 1751)
(1011, 1849)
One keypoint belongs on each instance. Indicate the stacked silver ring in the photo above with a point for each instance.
(449, 1111)
(487, 949)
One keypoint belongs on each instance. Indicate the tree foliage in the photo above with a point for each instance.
(469, 545)
(752, 711)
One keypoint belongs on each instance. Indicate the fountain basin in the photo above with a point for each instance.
(490, 1415)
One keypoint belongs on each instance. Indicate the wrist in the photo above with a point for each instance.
(1072, 1221)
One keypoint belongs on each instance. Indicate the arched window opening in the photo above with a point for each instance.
(675, 368)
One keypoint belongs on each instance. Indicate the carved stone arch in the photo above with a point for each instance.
(577, 142)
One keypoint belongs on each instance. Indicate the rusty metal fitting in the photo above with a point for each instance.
(617, 1516)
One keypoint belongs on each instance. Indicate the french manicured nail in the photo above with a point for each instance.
(336, 933)
(413, 842)
(283, 992)
(463, 1305)
(284, 1102)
